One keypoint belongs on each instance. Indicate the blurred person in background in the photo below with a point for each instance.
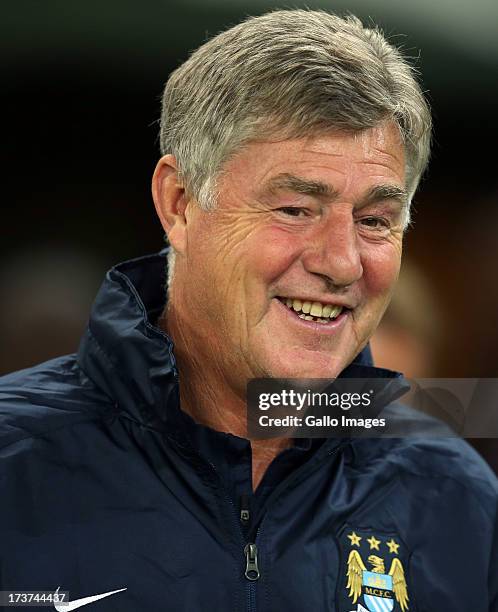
(415, 331)
(413, 328)
(292, 147)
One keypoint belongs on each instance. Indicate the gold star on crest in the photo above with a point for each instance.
(393, 547)
(374, 543)
(355, 539)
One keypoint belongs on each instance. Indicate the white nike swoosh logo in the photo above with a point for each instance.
(67, 606)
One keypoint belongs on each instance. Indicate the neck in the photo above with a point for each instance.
(207, 396)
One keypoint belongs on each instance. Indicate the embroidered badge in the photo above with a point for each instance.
(375, 577)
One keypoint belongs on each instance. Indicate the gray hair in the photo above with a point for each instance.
(288, 74)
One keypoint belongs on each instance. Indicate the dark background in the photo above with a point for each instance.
(81, 84)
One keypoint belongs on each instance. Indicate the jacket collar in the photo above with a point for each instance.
(132, 361)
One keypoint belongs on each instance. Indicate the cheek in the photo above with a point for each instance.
(234, 265)
(272, 252)
(381, 268)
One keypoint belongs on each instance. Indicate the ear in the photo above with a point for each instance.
(170, 201)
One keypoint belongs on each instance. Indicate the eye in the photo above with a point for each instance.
(378, 223)
(293, 211)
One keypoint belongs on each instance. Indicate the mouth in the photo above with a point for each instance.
(316, 312)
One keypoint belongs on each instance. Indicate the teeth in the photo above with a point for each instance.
(297, 304)
(336, 310)
(313, 310)
(326, 310)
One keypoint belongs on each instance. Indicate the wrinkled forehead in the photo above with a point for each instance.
(321, 165)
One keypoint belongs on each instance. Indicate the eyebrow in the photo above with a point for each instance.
(328, 192)
(301, 185)
(386, 192)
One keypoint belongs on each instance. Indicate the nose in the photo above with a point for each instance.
(333, 251)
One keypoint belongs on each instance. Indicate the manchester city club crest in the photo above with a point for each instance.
(374, 579)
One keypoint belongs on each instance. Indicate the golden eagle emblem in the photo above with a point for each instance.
(376, 584)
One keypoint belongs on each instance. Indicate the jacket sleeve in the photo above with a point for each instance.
(493, 568)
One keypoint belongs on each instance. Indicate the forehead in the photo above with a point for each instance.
(343, 159)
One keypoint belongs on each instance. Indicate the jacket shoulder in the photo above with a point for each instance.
(434, 460)
(46, 397)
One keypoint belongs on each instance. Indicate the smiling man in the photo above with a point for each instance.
(290, 273)
(292, 145)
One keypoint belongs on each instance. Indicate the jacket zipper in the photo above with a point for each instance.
(251, 561)
(245, 513)
(252, 573)
(250, 549)
(252, 568)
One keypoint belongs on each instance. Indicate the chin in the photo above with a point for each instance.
(318, 367)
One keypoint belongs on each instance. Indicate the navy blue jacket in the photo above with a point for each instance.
(106, 484)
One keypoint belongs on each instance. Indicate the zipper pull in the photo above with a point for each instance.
(245, 513)
(252, 569)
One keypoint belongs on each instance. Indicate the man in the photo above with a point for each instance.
(292, 146)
